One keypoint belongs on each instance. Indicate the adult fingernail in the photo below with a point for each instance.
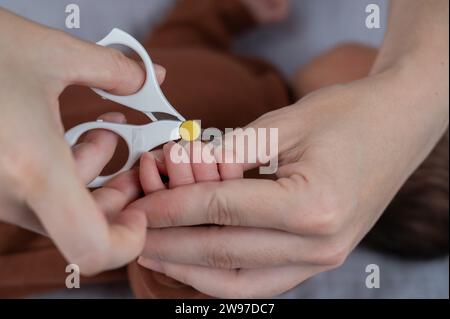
(151, 264)
(160, 73)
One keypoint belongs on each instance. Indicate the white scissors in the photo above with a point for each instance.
(149, 99)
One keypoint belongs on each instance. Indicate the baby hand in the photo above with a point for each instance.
(188, 171)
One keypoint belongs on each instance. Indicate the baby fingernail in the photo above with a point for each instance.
(160, 72)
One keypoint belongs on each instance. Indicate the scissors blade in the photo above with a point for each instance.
(163, 116)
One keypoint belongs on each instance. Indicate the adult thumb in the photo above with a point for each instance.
(106, 68)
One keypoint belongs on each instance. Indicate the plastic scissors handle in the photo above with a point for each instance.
(139, 139)
(149, 98)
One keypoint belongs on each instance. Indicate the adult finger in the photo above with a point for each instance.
(243, 283)
(239, 247)
(247, 202)
(73, 220)
(117, 193)
(96, 149)
(105, 68)
(111, 199)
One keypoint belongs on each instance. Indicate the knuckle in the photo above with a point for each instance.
(112, 70)
(292, 207)
(221, 260)
(336, 256)
(171, 217)
(324, 223)
(112, 73)
(158, 254)
(217, 257)
(331, 255)
(119, 66)
(327, 214)
(117, 57)
(219, 212)
(169, 214)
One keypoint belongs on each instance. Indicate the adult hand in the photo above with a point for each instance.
(344, 155)
(344, 152)
(41, 186)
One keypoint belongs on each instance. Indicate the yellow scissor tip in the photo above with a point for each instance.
(190, 130)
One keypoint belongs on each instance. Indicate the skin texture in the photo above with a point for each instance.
(41, 186)
(344, 153)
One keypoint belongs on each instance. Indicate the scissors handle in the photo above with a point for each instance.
(139, 139)
(124, 131)
(149, 98)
